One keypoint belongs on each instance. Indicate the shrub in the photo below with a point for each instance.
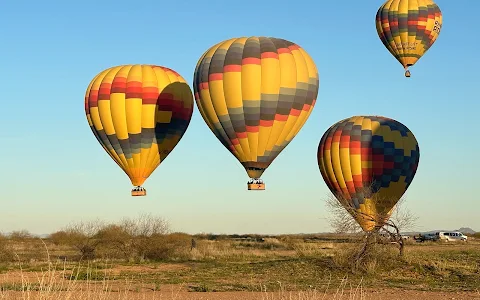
(163, 247)
(377, 258)
(81, 236)
(6, 253)
(59, 238)
(115, 242)
(20, 235)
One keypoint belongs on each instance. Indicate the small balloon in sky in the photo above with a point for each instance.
(408, 28)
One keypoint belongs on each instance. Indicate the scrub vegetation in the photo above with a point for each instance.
(144, 255)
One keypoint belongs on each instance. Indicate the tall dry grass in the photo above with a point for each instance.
(49, 286)
(248, 251)
(343, 292)
(57, 282)
(52, 285)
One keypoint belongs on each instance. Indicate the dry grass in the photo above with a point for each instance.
(52, 284)
(250, 251)
(308, 267)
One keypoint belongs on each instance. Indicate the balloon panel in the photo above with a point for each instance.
(369, 162)
(255, 94)
(408, 28)
(138, 113)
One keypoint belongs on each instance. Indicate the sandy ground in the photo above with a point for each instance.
(388, 294)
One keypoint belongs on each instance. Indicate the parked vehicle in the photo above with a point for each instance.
(451, 236)
(426, 237)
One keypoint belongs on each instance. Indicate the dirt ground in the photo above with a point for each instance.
(387, 294)
(124, 291)
(390, 294)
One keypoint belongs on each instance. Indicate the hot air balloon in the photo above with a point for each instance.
(255, 94)
(368, 162)
(408, 28)
(138, 113)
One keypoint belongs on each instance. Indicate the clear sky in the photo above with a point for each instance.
(54, 171)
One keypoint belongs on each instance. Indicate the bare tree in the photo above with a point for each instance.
(20, 235)
(143, 231)
(344, 213)
(340, 219)
(82, 236)
(146, 225)
(345, 216)
(402, 219)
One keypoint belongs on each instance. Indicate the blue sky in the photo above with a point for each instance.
(54, 171)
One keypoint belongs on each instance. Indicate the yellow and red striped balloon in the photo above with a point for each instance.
(408, 28)
(255, 94)
(138, 113)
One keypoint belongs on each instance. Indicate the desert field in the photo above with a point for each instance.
(111, 263)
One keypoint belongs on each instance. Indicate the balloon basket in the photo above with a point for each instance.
(256, 186)
(407, 73)
(139, 192)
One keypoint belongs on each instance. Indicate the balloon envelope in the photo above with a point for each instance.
(368, 162)
(408, 28)
(138, 113)
(255, 94)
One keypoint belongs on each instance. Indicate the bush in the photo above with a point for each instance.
(115, 242)
(163, 247)
(59, 238)
(6, 253)
(20, 235)
(377, 258)
(81, 236)
(130, 239)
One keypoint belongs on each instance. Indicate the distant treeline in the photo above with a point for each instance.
(144, 238)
